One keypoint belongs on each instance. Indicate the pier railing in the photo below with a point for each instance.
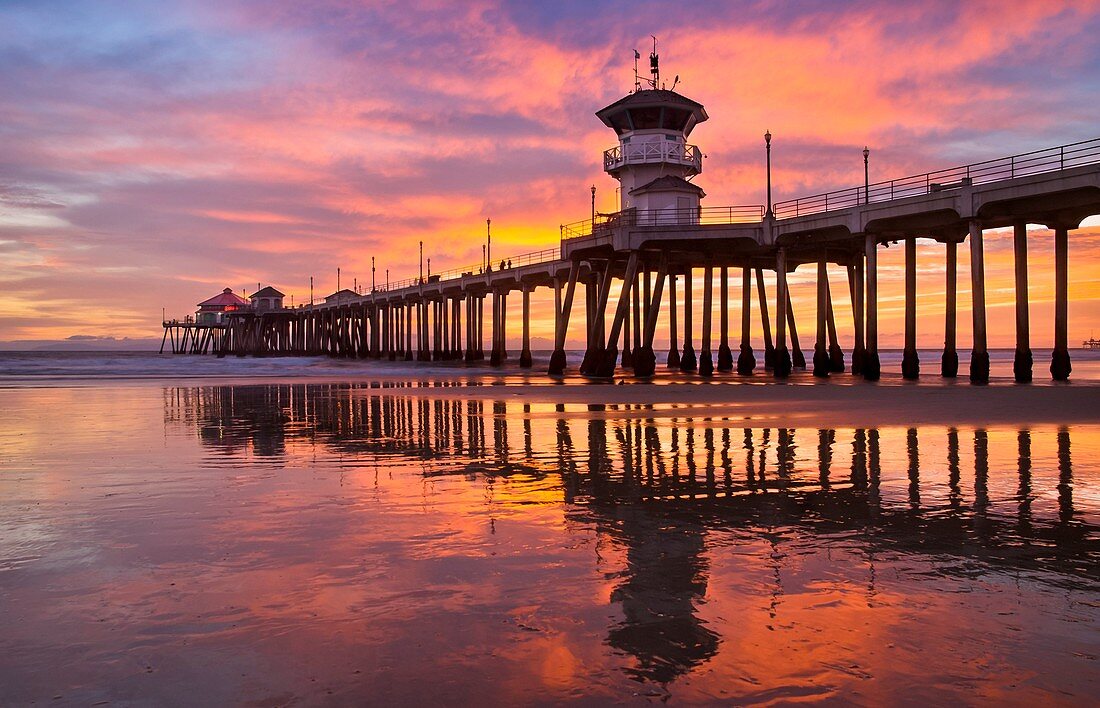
(1053, 159)
(525, 259)
(664, 217)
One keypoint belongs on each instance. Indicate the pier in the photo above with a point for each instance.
(663, 238)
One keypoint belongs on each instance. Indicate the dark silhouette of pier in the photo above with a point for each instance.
(663, 238)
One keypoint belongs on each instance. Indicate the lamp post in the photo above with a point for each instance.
(421, 261)
(866, 179)
(429, 268)
(372, 274)
(483, 261)
(311, 290)
(593, 206)
(488, 243)
(768, 148)
(337, 279)
(387, 280)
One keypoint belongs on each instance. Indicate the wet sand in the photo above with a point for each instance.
(389, 542)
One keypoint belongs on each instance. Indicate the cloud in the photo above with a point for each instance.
(166, 150)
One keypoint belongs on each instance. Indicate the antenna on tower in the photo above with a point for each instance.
(637, 79)
(654, 66)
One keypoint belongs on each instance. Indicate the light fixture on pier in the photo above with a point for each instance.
(593, 205)
(866, 177)
(768, 148)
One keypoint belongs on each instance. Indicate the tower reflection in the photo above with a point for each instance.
(656, 484)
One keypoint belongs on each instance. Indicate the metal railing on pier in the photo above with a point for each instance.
(1053, 159)
(663, 217)
(525, 259)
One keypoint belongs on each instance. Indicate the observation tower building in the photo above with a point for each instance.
(653, 161)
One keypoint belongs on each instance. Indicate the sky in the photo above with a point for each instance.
(157, 152)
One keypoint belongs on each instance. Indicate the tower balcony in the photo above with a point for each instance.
(653, 152)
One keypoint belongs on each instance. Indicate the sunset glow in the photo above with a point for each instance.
(158, 152)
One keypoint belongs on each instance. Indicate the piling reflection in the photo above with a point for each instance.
(656, 484)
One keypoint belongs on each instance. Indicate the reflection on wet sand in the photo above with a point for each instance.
(656, 483)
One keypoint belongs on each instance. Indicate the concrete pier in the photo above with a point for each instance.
(646, 250)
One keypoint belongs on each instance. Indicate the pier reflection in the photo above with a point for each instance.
(655, 483)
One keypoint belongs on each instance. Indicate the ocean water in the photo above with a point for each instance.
(26, 368)
(294, 540)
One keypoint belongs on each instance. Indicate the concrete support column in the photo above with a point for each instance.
(821, 356)
(871, 367)
(445, 327)
(836, 354)
(910, 362)
(399, 331)
(979, 356)
(460, 337)
(504, 326)
(725, 354)
(479, 312)
(494, 352)
(595, 353)
(525, 352)
(469, 332)
(408, 333)
(746, 362)
(628, 356)
(636, 296)
(782, 357)
(765, 320)
(706, 361)
(1022, 362)
(561, 319)
(688, 360)
(798, 361)
(949, 364)
(606, 364)
(673, 361)
(645, 361)
(855, 288)
(1060, 367)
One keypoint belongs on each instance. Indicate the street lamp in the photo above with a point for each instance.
(372, 274)
(768, 148)
(488, 243)
(421, 261)
(866, 179)
(593, 206)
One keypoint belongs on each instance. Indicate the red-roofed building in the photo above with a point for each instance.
(213, 311)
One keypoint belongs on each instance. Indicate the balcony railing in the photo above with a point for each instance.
(656, 151)
(605, 223)
(1029, 163)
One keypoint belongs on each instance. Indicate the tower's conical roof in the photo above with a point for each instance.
(653, 108)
